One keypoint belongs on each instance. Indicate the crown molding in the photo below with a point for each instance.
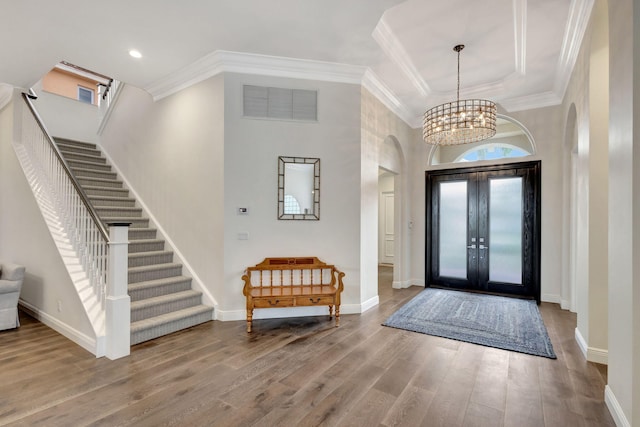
(394, 49)
(579, 15)
(529, 102)
(373, 84)
(520, 35)
(245, 63)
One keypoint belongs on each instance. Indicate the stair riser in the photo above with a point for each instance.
(120, 213)
(157, 310)
(135, 222)
(160, 290)
(135, 248)
(94, 174)
(69, 155)
(141, 261)
(74, 143)
(135, 277)
(158, 331)
(64, 148)
(95, 183)
(106, 192)
(141, 234)
(117, 203)
(86, 165)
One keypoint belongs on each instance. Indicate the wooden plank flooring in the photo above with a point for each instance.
(303, 372)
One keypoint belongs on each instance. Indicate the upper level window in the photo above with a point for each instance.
(492, 151)
(512, 140)
(85, 95)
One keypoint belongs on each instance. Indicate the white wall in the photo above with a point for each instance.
(623, 390)
(68, 118)
(171, 152)
(387, 141)
(252, 147)
(25, 240)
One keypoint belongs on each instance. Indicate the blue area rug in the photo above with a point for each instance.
(493, 321)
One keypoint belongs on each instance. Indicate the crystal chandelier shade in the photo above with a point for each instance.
(461, 121)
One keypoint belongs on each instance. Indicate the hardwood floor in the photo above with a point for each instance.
(301, 371)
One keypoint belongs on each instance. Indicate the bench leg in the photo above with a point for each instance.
(330, 312)
(337, 315)
(249, 320)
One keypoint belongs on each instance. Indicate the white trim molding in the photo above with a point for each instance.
(394, 49)
(520, 35)
(94, 345)
(591, 354)
(579, 14)
(245, 63)
(614, 408)
(276, 313)
(373, 84)
(529, 102)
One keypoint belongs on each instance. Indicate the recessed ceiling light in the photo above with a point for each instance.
(135, 53)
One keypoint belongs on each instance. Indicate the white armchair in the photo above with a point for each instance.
(11, 277)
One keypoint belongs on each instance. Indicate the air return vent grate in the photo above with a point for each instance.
(279, 103)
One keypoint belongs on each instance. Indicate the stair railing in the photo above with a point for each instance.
(88, 235)
(107, 94)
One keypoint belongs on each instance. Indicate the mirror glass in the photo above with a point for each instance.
(298, 188)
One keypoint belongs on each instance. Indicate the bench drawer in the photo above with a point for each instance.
(273, 302)
(315, 300)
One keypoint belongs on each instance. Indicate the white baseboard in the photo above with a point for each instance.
(367, 305)
(614, 408)
(275, 313)
(553, 298)
(591, 354)
(92, 345)
(581, 343)
(401, 284)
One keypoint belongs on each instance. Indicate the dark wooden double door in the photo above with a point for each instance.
(483, 229)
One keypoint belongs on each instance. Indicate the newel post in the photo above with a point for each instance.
(118, 303)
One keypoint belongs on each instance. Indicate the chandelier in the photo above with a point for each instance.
(460, 121)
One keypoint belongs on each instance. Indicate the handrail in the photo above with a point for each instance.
(67, 169)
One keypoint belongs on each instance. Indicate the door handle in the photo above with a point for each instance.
(471, 247)
(484, 247)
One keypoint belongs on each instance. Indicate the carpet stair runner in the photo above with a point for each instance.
(162, 300)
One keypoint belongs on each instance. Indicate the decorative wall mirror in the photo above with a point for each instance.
(298, 188)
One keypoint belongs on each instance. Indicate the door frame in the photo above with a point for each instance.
(535, 184)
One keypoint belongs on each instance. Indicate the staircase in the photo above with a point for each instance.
(162, 300)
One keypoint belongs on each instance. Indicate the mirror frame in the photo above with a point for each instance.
(282, 161)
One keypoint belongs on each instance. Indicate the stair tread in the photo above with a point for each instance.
(71, 156)
(175, 296)
(143, 241)
(76, 169)
(93, 178)
(88, 163)
(154, 267)
(157, 282)
(113, 198)
(62, 140)
(119, 208)
(129, 219)
(149, 253)
(169, 317)
(99, 187)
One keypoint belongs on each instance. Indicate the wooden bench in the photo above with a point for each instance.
(292, 282)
